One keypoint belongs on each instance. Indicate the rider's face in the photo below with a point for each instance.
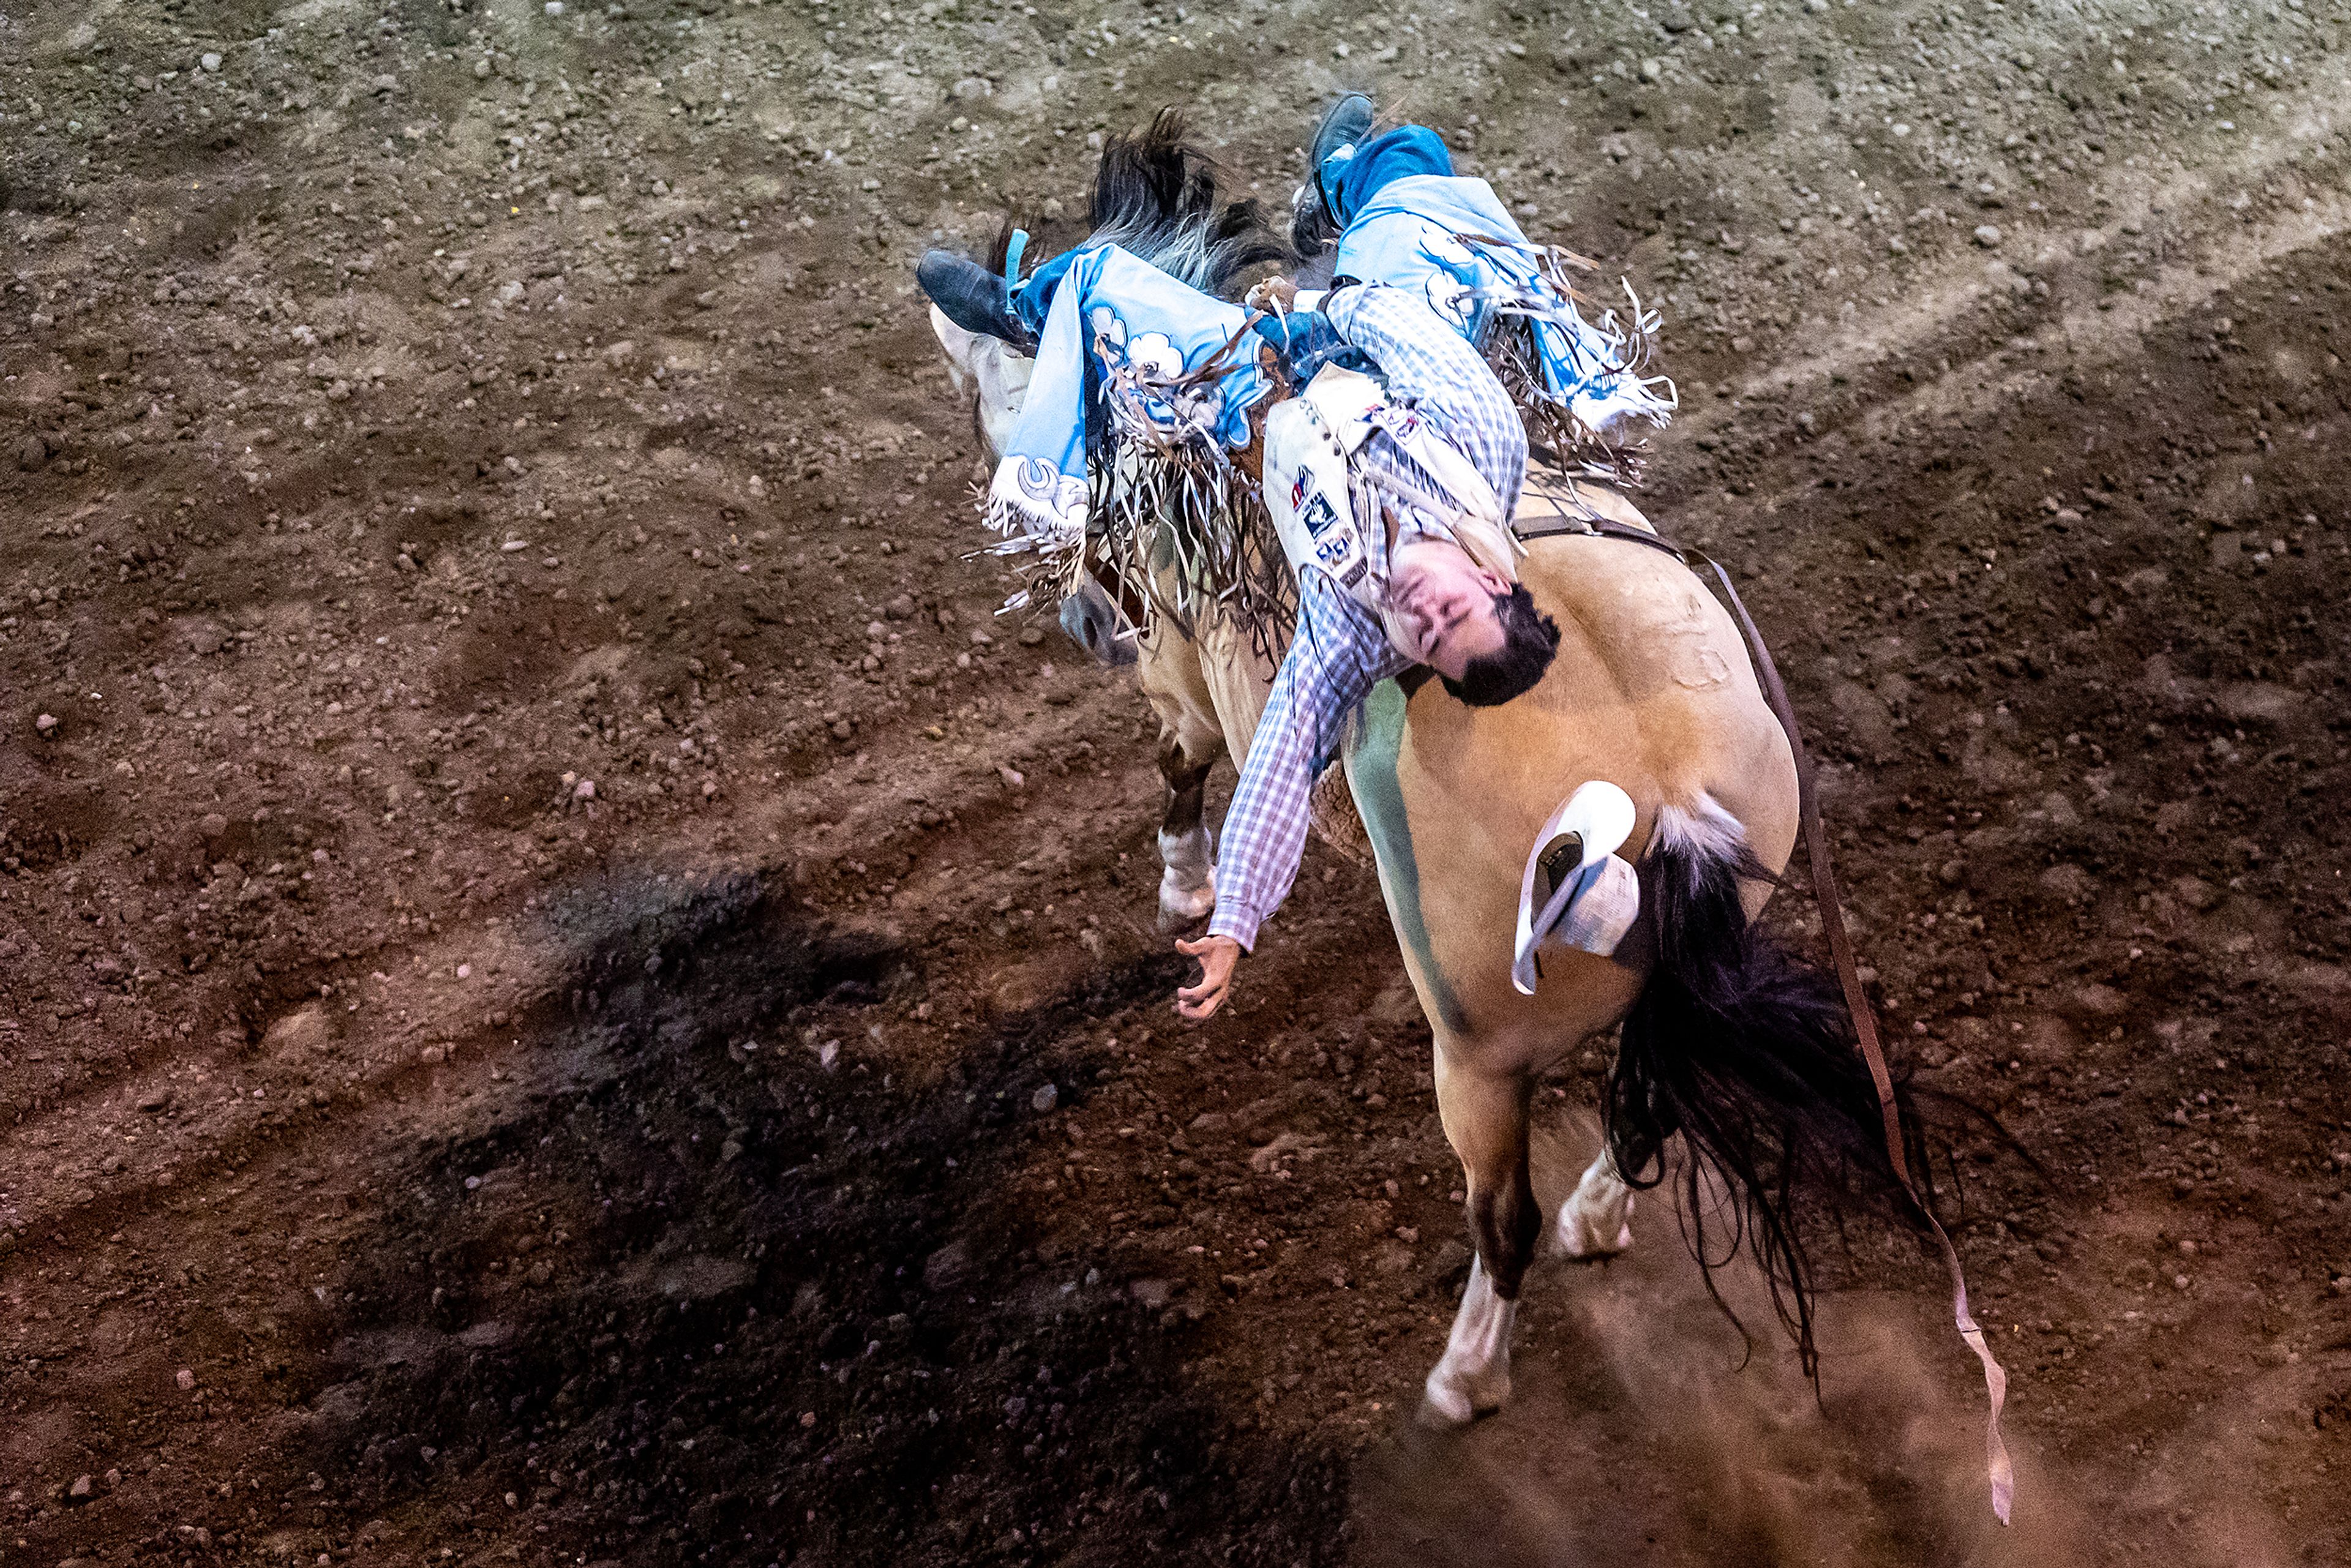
(1441, 607)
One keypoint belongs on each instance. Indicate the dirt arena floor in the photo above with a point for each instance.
(569, 994)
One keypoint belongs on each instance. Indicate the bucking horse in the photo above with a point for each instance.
(1725, 1037)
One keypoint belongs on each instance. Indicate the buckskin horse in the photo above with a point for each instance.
(1726, 1038)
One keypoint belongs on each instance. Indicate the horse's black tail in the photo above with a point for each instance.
(1744, 1050)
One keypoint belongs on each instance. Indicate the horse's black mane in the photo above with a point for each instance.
(1156, 195)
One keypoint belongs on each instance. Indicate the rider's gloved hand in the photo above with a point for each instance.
(1276, 294)
(1298, 333)
(1307, 341)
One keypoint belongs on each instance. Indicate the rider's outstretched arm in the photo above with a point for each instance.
(1339, 654)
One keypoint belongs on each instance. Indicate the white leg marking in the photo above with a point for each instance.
(1475, 1374)
(1188, 889)
(1593, 1222)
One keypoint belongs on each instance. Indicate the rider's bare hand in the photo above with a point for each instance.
(1217, 955)
(1273, 294)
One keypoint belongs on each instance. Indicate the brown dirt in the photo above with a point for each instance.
(413, 1156)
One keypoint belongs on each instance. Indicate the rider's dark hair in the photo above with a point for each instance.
(1529, 639)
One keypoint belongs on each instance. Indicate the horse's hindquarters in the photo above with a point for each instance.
(1651, 691)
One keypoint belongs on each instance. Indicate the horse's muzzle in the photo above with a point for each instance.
(1091, 620)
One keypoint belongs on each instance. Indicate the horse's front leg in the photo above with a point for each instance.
(1595, 1220)
(1486, 1122)
(1187, 888)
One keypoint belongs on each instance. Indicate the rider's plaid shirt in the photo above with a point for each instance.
(1341, 651)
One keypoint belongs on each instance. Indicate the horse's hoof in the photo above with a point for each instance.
(1181, 906)
(1579, 1239)
(1183, 914)
(1448, 1402)
(1444, 1415)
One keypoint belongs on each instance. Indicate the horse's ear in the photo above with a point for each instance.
(961, 347)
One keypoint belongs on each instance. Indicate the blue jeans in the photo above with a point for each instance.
(1349, 183)
(1036, 299)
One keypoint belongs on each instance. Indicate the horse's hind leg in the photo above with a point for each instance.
(1593, 1222)
(1486, 1122)
(1187, 888)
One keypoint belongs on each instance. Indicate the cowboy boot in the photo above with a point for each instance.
(1341, 129)
(1314, 222)
(971, 296)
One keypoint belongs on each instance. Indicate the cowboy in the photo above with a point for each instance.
(1444, 259)
(1417, 568)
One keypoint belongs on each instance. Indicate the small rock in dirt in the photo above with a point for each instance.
(211, 62)
(213, 826)
(1254, 1121)
(154, 1099)
(2095, 1000)
(81, 1490)
(1045, 1099)
(47, 725)
(2195, 892)
(947, 1268)
(1031, 636)
(2068, 881)
(186, 1380)
(1987, 235)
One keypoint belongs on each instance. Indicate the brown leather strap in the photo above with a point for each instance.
(1841, 955)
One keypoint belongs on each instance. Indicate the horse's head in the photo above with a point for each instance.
(1155, 196)
(991, 372)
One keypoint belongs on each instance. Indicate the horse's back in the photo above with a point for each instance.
(1652, 690)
